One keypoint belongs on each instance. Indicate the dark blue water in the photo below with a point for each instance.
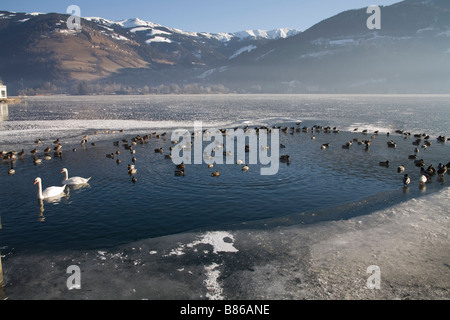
(113, 210)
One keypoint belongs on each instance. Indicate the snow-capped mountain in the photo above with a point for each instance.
(138, 25)
(409, 54)
(42, 49)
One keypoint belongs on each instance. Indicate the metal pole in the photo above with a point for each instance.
(1, 269)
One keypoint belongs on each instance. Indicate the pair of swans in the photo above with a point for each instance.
(52, 192)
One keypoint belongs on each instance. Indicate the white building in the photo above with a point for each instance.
(3, 93)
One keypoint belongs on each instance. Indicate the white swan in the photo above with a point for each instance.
(50, 192)
(74, 180)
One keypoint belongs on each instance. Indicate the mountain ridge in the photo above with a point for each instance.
(409, 54)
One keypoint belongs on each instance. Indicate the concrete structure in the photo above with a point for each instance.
(3, 92)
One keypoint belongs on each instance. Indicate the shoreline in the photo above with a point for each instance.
(322, 261)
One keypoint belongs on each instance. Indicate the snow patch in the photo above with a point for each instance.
(67, 31)
(271, 34)
(157, 31)
(340, 42)
(444, 33)
(136, 22)
(319, 54)
(220, 240)
(212, 285)
(264, 55)
(158, 39)
(138, 29)
(242, 50)
(211, 71)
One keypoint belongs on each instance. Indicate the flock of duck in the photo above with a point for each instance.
(426, 175)
(422, 140)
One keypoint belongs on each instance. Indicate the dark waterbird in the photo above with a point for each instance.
(384, 163)
(406, 180)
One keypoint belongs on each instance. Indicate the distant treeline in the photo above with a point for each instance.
(87, 88)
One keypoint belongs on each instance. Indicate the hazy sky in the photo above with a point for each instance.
(204, 15)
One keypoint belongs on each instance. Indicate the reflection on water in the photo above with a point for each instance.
(41, 217)
(4, 114)
(4, 111)
(77, 187)
(53, 201)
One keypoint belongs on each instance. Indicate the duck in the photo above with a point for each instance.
(384, 163)
(431, 170)
(74, 180)
(131, 170)
(134, 179)
(406, 180)
(245, 168)
(419, 163)
(391, 144)
(181, 166)
(423, 179)
(442, 170)
(180, 173)
(11, 172)
(240, 162)
(400, 169)
(215, 174)
(160, 150)
(285, 158)
(49, 192)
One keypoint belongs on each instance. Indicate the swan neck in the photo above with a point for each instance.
(40, 196)
(67, 174)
